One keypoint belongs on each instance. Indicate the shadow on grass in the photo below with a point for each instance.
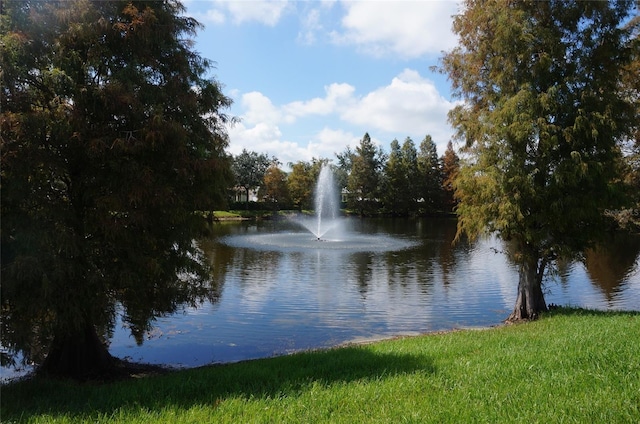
(264, 379)
(573, 311)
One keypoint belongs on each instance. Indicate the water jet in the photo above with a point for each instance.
(326, 226)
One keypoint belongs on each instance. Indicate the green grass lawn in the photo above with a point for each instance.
(570, 366)
(249, 214)
(227, 214)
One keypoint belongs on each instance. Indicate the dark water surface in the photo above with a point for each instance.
(279, 292)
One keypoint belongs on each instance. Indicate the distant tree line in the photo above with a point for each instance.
(408, 180)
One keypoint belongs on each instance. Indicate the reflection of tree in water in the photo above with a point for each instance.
(450, 250)
(220, 259)
(259, 267)
(436, 256)
(362, 271)
(560, 272)
(140, 320)
(611, 262)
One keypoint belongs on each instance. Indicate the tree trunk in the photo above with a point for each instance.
(530, 301)
(80, 356)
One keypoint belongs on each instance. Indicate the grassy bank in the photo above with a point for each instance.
(570, 366)
(251, 214)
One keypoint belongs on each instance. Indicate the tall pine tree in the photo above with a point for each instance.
(410, 165)
(396, 187)
(430, 176)
(364, 180)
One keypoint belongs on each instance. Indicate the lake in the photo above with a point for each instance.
(275, 298)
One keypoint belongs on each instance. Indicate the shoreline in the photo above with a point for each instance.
(135, 370)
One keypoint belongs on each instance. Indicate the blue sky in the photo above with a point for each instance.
(309, 78)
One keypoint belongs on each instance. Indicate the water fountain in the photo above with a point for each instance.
(327, 207)
(326, 230)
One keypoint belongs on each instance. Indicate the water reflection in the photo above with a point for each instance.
(268, 302)
(611, 263)
(278, 301)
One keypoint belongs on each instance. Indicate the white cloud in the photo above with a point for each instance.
(313, 20)
(410, 105)
(309, 26)
(338, 96)
(263, 133)
(210, 16)
(329, 141)
(266, 12)
(265, 138)
(259, 109)
(409, 29)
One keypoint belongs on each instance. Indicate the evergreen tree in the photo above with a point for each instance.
(395, 182)
(542, 119)
(430, 176)
(363, 183)
(412, 171)
(343, 168)
(112, 139)
(450, 166)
